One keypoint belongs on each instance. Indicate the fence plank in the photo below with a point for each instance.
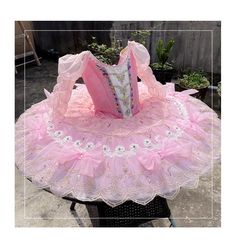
(192, 50)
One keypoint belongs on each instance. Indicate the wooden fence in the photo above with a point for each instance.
(197, 43)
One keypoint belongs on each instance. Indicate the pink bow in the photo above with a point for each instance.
(36, 128)
(150, 160)
(86, 162)
(170, 90)
(194, 127)
(193, 124)
(66, 157)
(198, 117)
(89, 163)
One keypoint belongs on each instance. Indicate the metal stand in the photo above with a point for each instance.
(72, 207)
(172, 221)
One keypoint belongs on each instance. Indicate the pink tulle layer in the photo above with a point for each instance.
(91, 156)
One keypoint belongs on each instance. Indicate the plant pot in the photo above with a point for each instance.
(163, 76)
(201, 94)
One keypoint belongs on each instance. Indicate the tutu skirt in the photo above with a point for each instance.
(93, 156)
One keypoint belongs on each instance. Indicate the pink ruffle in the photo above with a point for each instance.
(159, 168)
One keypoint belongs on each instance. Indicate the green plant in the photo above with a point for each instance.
(163, 52)
(194, 80)
(140, 36)
(104, 53)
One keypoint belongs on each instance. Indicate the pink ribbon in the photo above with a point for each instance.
(150, 160)
(69, 157)
(194, 117)
(198, 117)
(193, 124)
(86, 162)
(170, 90)
(36, 128)
(192, 127)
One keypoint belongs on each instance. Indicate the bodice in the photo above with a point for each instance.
(113, 89)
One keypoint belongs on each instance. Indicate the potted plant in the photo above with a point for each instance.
(162, 69)
(108, 55)
(140, 36)
(195, 80)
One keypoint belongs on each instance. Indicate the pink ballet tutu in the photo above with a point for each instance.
(91, 155)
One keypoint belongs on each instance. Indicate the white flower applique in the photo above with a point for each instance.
(119, 150)
(134, 147)
(77, 143)
(50, 127)
(106, 149)
(147, 143)
(67, 139)
(89, 146)
(58, 133)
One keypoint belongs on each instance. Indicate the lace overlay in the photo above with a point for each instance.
(108, 159)
(165, 141)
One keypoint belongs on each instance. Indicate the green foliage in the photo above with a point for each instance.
(108, 55)
(140, 36)
(157, 66)
(194, 80)
(163, 52)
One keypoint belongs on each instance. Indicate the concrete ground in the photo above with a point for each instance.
(36, 208)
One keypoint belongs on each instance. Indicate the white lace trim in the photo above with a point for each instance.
(127, 197)
(120, 150)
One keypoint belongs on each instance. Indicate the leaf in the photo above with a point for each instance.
(169, 45)
(163, 51)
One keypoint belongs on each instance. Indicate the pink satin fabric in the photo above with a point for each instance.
(72, 67)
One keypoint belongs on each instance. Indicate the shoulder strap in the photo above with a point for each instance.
(70, 68)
